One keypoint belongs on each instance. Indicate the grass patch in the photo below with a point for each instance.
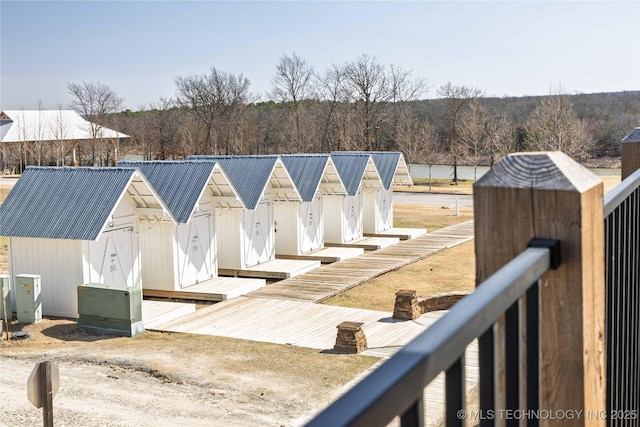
(449, 270)
(421, 185)
(430, 217)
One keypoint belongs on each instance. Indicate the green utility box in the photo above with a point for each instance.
(5, 296)
(110, 310)
(28, 305)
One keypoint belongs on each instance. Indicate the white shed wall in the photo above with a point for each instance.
(58, 262)
(377, 208)
(196, 248)
(333, 218)
(311, 225)
(287, 227)
(352, 208)
(228, 231)
(158, 255)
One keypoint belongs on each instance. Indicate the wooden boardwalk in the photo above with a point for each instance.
(329, 280)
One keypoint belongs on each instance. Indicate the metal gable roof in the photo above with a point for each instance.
(67, 203)
(179, 184)
(49, 125)
(356, 169)
(386, 163)
(633, 136)
(391, 166)
(306, 171)
(250, 176)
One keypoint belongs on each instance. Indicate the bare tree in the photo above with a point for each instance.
(555, 126)
(292, 84)
(368, 84)
(330, 85)
(500, 138)
(60, 146)
(473, 132)
(214, 98)
(95, 101)
(419, 141)
(456, 99)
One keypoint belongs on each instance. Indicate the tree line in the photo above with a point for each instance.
(358, 105)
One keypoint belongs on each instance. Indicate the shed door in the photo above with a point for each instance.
(196, 241)
(353, 220)
(311, 236)
(384, 210)
(112, 257)
(258, 228)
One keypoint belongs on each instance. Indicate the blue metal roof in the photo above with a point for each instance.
(351, 167)
(62, 202)
(179, 184)
(249, 175)
(633, 136)
(386, 163)
(306, 171)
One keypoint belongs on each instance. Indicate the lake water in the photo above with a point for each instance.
(466, 172)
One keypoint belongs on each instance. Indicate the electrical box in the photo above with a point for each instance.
(5, 296)
(28, 304)
(110, 310)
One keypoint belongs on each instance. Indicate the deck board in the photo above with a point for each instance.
(400, 233)
(326, 255)
(274, 269)
(331, 279)
(214, 290)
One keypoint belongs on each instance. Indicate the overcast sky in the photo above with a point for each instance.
(138, 48)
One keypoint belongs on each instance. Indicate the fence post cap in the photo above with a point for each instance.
(540, 171)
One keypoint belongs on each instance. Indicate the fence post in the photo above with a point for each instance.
(548, 195)
(630, 148)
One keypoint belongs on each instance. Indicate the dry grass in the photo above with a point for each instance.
(449, 270)
(421, 185)
(430, 217)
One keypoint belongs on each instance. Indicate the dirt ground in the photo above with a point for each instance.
(164, 379)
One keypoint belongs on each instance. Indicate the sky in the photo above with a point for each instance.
(138, 48)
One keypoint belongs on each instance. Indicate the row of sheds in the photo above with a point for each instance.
(168, 225)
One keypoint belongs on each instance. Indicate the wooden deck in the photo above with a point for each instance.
(159, 312)
(332, 279)
(274, 269)
(214, 290)
(299, 323)
(366, 243)
(327, 255)
(400, 233)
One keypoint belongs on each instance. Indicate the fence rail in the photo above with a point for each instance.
(540, 332)
(622, 282)
(397, 386)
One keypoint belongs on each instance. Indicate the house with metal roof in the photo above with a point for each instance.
(299, 225)
(344, 214)
(46, 126)
(181, 255)
(75, 226)
(246, 235)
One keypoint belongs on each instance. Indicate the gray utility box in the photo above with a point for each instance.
(28, 305)
(5, 296)
(110, 310)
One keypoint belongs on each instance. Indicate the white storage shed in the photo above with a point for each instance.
(246, 235)
(299, 226)
(378, 203)
(176, 256)
(75, 226)
(344, 214)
